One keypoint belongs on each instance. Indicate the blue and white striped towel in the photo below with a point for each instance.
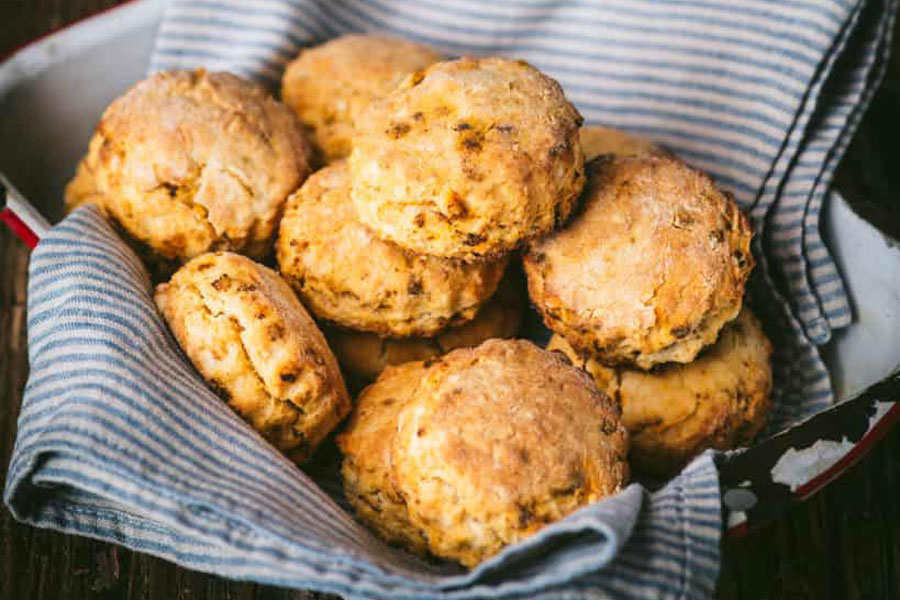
(120, 439)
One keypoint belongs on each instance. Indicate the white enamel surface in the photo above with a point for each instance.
(797, 467)
(735, 519)
(53, 92)
(868, 350)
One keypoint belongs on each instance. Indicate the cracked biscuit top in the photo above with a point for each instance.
(328, 85)
(247, 334)
(651, 267)
(187, 162)
(467, 159)
(349, 277)
(499, 441)
(721, 400)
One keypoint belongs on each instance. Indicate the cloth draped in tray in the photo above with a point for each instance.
(119, 438)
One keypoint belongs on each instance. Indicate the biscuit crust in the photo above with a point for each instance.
(721, 400)
(650, 269)
(367, 468)
(247, 334)
(499, 441)
(329, 85)
(468, 159)
(188, 162)
(597, 140)
(347, 276)
(363, 356)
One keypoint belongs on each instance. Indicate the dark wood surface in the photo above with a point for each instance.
(842, 544)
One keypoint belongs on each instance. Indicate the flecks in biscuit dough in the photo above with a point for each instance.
(329, 85)
(188, 162)
(500, 440)
(721, 400)
(347, 276)
(651, 267)
(363, 356)
(467, 159)
(248, 336)
(367, 468)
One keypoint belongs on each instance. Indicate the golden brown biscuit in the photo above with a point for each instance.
(252, 340)
(467, 159)
(721, 400)
(329, 85)
(187, 162)
(597, 140)
(367, 470)
(500, 440)
(650, 269)
(364, 355)
(346, 275)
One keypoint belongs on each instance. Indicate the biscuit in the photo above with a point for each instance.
(467, 159)
(499, 441)
(347, 276)
(597, 140)
(188, 162)
(363, 355)
(367, 470)
(721, 400)
(649, 270)
(254, 343)
(327, 86)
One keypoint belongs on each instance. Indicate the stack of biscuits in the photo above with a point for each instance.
(403, 201)
(644, 289)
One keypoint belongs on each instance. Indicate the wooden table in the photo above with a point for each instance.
(842, 544)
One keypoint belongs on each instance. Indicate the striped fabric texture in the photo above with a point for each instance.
(762, 94)
(120, 439)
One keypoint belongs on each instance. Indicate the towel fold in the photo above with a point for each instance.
(119, 438)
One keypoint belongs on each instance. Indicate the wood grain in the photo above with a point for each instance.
(842, 544)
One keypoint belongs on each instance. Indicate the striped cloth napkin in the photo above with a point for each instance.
(120, 439)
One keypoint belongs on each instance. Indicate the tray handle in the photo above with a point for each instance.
(19, 215)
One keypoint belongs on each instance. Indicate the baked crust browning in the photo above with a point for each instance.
(467, 159)
(363, 356)
(250, 338)
(499, 441)
(367, 469)
(649, 270)
(721, 400)
(329, 85)
(188, 162)
(349, 277)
